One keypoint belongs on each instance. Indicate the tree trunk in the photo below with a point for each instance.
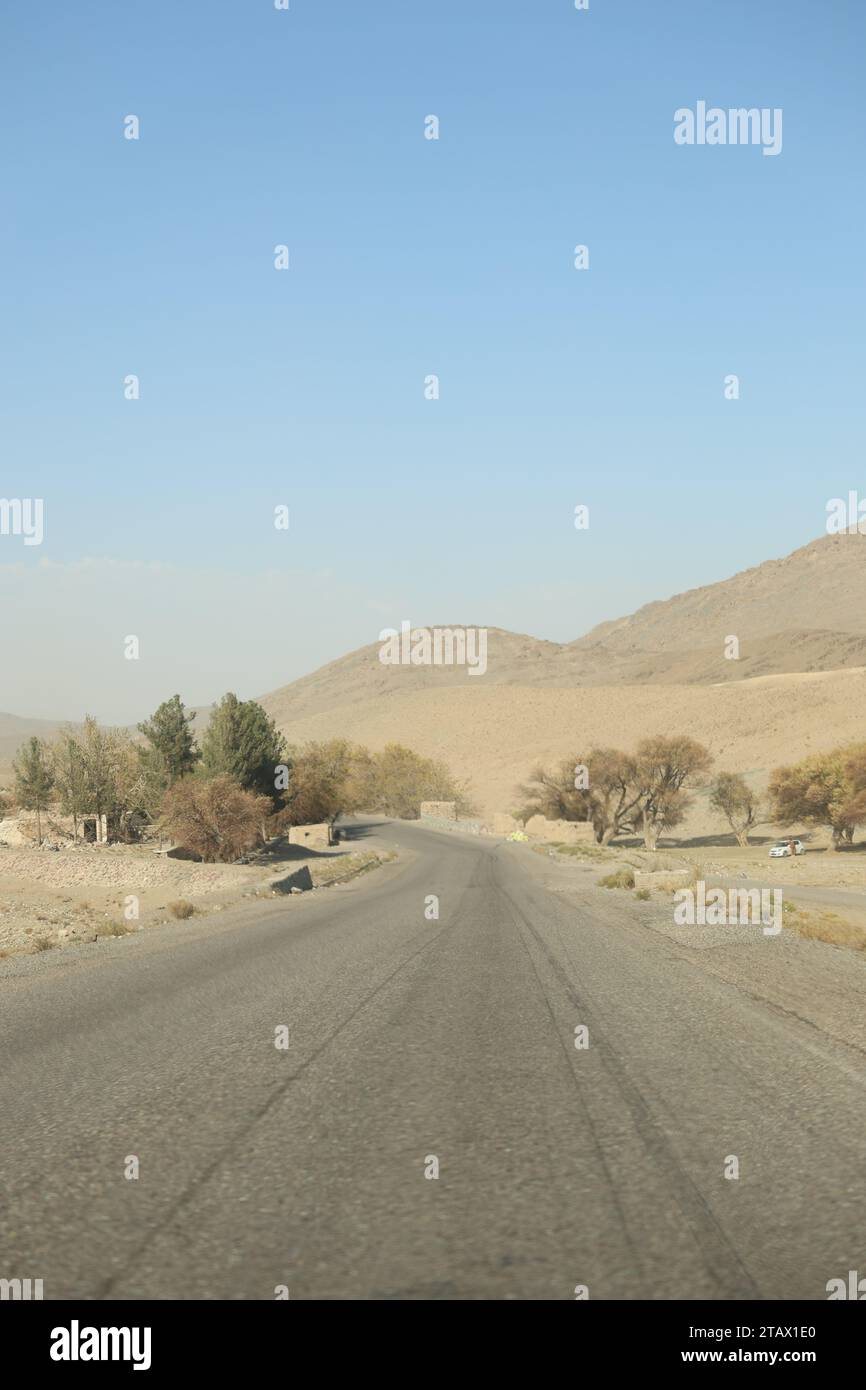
(38, 826)
(742, 838)
(650, 834)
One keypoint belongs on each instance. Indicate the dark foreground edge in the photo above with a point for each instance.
(159, 1339)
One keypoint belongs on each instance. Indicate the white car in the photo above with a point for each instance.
(782, 848)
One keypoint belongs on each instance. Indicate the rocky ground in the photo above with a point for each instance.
(49, 897)
(823, 892)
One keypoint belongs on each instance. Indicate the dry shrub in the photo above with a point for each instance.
(112, 929)
(181, 909)
(623, 878)
(825, 926)
(214, 818)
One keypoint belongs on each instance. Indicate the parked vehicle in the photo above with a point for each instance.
(782, 848)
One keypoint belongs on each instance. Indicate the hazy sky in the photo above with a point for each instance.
(408, 257)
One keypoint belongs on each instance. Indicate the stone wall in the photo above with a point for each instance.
(439, 810)
(313, 836)
(567, 832)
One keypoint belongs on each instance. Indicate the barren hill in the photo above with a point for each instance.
(806, 612)
(799, 683)
(492, 735)
(819, 588)
(14, 731)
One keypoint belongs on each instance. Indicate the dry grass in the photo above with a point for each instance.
(112, 929)
(181, 909)
(673, 884)
(581, 851)
(824, 926)
(623, 878)
(347, 866)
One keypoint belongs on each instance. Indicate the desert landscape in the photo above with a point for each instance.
(794, 689)
(433, 695)
(798, 685)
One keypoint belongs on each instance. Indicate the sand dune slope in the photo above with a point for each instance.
(493, 734)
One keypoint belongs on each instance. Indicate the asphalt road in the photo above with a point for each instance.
(410, 1039)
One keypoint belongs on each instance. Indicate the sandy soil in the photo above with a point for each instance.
(48, 897)
(492, 735)
(823, 891)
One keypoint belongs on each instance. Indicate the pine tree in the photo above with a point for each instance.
(241, 742)
(172, 742)
(34, 779)
(70, 776)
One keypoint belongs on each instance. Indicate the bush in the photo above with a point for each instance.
(824, 789)
(215, 818)
(623, 878)
(641, 793)
(396, 780)
(323, 782)
(181, 909)
(643, 894)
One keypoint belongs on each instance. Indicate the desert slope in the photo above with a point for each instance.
(803, 613)
(14, 731)
(493, 734)
(819, 588)
(799, 683)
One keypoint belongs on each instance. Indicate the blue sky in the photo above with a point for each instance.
(409, 257)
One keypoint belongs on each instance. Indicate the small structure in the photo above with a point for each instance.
(312, 836)
(566, 832)
(94, 828)
(438, 810)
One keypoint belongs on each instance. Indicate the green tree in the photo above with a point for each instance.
(396, 780)
(733, 797)
(70, 775)
(243, 743)
(824, 789)
(635, 793)
(172, 743)
(34, 779)
(667, 766)
(322, 782)
(99, 754)
(113, 777)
